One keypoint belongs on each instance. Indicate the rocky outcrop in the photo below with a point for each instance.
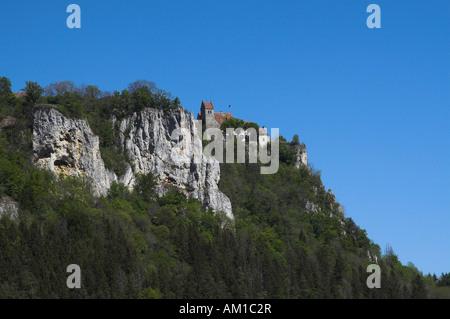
(68, 146)
(301, 155)
(164, 143)
(9, 207)
(7, 122)
(310, 207)
(334, 205)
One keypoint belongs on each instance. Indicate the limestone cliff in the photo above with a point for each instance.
(9, 207)
(69, 147)
(148, 139)
(301, 155)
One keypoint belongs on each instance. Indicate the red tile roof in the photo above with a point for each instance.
(208, 105)
(220, 117)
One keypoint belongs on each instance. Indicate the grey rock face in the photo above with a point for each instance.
(301, 155)
(7, 122)
(9, 207)
(334, 204)
(66, 146)
(166, 144)
(311, 207)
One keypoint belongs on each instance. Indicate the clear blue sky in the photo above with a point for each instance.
(372, 105)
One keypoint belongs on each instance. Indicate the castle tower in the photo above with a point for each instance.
(264, 137)
(207, 115)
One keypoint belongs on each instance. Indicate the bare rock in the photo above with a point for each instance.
(164, 143)
(9, 207)
(301, 155)
(68, 147)
(7, 122)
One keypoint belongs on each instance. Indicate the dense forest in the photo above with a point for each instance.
(138, 245)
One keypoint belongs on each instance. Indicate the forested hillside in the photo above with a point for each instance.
(290, 239)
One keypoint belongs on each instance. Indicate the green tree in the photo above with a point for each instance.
(287, 155)
(33, 91)
(418, 290)
(295, 140)
(59, 88)
(118, 190)
(5, 86)
(106, 134)
(143, 98)
(238, 123)
(92, 92)
(146, 187)
(133, 86)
